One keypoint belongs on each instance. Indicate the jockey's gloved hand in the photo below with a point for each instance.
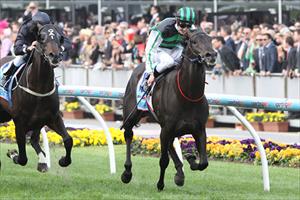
(30, 48)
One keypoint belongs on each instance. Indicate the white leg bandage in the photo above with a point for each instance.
(42, 158)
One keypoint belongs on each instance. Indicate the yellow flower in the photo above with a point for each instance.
(71, 106)
(102, 108)
(257, 155)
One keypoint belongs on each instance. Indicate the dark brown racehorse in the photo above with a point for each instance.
(180, 105)
(35, 101)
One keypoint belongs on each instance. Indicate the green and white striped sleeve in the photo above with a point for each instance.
(154, 40)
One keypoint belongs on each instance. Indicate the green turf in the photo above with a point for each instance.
(89, 178)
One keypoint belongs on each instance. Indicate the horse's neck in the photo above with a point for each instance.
(192, 76)
(40, 75)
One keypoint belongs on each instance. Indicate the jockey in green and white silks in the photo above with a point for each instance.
(164, 46)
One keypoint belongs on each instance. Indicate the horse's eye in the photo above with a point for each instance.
(194, 42)
(42, 38)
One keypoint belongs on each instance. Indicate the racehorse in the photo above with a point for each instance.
(35, 101)
(179, 104)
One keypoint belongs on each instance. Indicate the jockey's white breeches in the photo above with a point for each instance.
(167, 58)
(19, 60)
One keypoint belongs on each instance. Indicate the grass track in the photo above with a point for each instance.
(88, 177)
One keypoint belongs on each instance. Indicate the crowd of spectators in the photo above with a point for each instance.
(262, 49)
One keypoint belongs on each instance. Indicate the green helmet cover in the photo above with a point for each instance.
(186, 14)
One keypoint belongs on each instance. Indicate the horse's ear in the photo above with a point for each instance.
(193, 31)
(35, 27)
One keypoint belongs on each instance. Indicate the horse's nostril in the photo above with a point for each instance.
(207, 55)
(51, 55)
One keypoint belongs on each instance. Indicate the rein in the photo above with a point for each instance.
(182, 93)
(26, 88)
(197, 60)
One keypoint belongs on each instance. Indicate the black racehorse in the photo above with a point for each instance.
(35, 101)
(180, 105)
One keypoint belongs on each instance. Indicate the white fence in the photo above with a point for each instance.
(274, 86)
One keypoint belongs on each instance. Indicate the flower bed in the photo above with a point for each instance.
(105, 111)
(229, 150)
(72, 110)
(81, 137)
(217, 148)
(270, 121)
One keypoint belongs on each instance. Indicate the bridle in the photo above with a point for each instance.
(45, 57)
(198, 59)
(40, 50)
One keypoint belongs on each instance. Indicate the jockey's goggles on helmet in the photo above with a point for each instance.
(184, 25)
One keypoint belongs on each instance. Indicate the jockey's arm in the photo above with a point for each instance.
(20, 46)
(154, 41)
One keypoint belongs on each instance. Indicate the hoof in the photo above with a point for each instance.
(42, 167)
(12, 153)
(203, 166)
(179, 179)
(64, 162)
(192, 161)
(190, 158)
(126, 177)
(160, 186)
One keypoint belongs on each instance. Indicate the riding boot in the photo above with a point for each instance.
(7, 75)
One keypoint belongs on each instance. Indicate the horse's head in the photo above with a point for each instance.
(50, 41)
(200, 45)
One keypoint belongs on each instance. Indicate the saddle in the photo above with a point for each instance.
(6, 90)
(144, 94)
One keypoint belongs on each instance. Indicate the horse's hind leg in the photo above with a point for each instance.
(35, 143)
(179, 176)
(127, 174)
(20, 158)
(200, 140)
(58, 126)
(128, 134)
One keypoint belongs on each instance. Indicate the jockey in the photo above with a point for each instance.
(165, 43)
(26, 41)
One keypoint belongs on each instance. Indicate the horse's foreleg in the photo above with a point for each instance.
(200, 139)
(35, 143)
(20, 158)
(127, 174)
(179, 176)
(164, 157)
(58, 126)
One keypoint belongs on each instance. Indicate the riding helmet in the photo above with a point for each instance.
(186, 15)
(42, 18)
